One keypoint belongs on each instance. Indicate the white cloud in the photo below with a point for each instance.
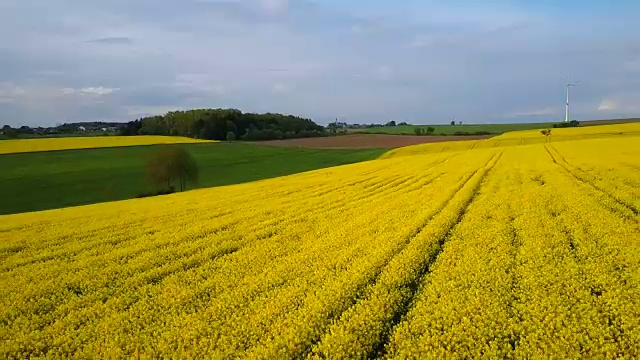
(9, 93)
(422, 41)
(94, 91)
(280, 88)
(68, 91)
(627, 104)
(43, 96)
(10, 89)
(141, 111)
(607, 105)
(100, 91)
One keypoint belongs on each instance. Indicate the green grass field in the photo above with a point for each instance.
(55, 179)
(452, 129)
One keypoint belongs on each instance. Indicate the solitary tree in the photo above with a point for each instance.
(453, 122)
(430, 130)
(333, 127)
(170, 164)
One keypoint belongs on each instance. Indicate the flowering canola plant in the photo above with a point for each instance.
(517, 252)
(88, 142)
(525, 137)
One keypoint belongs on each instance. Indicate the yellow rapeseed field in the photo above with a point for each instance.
(528, 251)
(583, 132)
(68, 143)
(526, 137)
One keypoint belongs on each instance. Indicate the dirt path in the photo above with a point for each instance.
(366, 141)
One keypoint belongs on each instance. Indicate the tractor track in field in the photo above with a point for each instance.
(412, 287)
(415, 286)
(389, 188)
(559, 160)
(404, 243)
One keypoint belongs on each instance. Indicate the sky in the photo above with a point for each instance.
(424, 62)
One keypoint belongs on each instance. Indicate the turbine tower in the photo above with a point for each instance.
(566, 110)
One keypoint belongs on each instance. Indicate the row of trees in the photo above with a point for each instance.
(225, 124)
(572, 123)
(83, 128)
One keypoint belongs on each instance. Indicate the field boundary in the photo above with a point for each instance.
(367, 141)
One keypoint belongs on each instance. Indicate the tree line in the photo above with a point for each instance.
(224, 124)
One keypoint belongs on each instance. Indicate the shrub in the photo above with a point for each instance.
(572, 123)
(231, 136)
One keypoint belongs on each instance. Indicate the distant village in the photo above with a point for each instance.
(97, 127)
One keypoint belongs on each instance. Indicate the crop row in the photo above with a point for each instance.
(538, 267)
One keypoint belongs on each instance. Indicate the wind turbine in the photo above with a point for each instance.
(566, 111)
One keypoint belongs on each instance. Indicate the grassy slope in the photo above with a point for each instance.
(47, 180)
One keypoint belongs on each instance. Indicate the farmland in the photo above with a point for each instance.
(55, 179)
(528, 137)
(471, 129)
(67, 143)
(365, 141)
(522, 248)
(452, 129)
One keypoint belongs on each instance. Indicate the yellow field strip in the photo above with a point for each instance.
(69, 143)
(620, 132)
